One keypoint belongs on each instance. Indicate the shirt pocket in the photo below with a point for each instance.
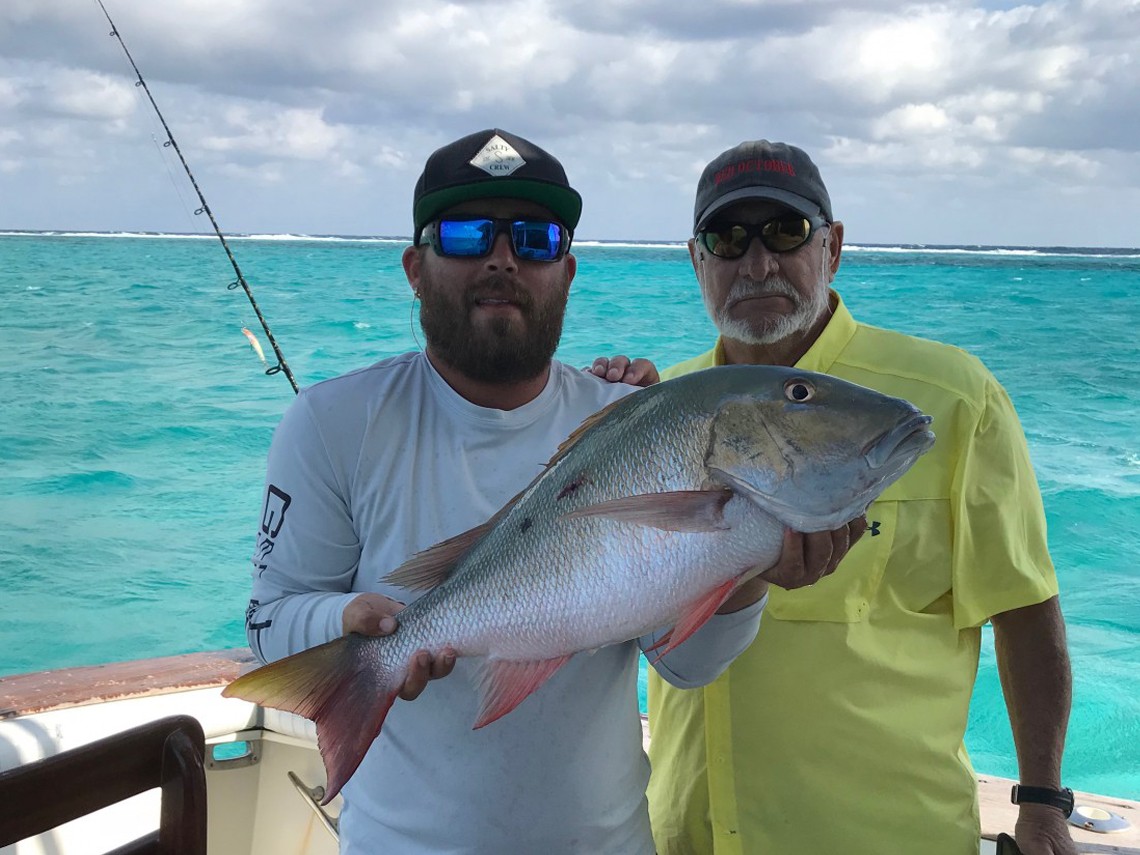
(846, 595)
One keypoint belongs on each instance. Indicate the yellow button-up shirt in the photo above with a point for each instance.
(840, 729)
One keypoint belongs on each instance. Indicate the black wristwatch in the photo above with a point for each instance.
(1061, 799)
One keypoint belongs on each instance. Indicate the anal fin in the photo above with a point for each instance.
(506, 683)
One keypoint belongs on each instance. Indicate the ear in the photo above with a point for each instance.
(694, 257)
(412, 260)
(571, 269)
(834, 249)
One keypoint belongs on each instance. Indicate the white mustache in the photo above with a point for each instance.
(777, 286)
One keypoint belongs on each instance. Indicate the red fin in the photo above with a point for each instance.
(683, 510)
(506, 683)
(663, 640)
(698, 614)
(426, 569)
(340, 687)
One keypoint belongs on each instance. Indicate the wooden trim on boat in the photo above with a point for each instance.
(23, 694)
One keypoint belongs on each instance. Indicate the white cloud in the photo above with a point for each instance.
(901, 56)
(87, 95)
(1064, 165)
(912, 120)
(339, 103)
(10, 94)
(292, 133)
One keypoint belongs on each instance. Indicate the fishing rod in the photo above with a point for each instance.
(282, 366)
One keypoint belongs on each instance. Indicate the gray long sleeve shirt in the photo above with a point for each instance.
(367, 469)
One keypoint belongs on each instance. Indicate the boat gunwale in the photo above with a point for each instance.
(60, 689)
(43, 691)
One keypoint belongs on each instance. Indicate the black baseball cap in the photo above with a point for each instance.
(493, 163)
(759, 169)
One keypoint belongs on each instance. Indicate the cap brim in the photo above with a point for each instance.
(563, 202)
(795, 201)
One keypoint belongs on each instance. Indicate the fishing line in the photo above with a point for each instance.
(281, 366)
(158, 147)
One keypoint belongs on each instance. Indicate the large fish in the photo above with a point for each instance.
(648, 516)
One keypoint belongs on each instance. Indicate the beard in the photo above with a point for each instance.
(502, 349)
(805, 312)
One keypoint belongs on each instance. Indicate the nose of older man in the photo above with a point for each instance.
(757, 262)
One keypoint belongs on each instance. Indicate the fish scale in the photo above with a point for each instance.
(646, 518)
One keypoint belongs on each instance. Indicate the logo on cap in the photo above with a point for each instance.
(497, 158)
(754, 165)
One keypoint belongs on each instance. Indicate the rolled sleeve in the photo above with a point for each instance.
(705, 655)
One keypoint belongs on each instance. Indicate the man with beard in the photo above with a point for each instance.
(371, 467)
(840, 729)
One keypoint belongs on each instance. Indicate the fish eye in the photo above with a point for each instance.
(799, 391)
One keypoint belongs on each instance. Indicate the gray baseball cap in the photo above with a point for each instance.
(759, 169)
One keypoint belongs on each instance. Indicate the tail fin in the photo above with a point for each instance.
(343, 686)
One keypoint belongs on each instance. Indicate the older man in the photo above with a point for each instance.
(840, 729)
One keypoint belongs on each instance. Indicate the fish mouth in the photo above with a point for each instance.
(908, 438)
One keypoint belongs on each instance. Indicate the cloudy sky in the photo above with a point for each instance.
(958, 122)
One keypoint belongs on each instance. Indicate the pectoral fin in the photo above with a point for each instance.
(505, 683)
(682, 510)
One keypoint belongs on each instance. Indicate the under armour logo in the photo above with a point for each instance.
(875, 528)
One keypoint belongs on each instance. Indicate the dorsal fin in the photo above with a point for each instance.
(576, 434)
(432, 566)
(426, 569)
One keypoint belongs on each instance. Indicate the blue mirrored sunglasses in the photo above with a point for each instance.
(532, 240)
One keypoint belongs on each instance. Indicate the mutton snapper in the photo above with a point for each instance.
(648, 516)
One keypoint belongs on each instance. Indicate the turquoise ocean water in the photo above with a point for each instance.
(136, 417)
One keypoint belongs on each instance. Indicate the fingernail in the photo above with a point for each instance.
(387, 625)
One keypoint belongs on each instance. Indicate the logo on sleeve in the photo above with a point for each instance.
(277, 502)
(250, 611)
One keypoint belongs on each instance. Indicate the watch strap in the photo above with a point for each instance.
(1061, 799)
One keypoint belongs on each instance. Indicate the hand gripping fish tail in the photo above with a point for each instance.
(657, 506)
